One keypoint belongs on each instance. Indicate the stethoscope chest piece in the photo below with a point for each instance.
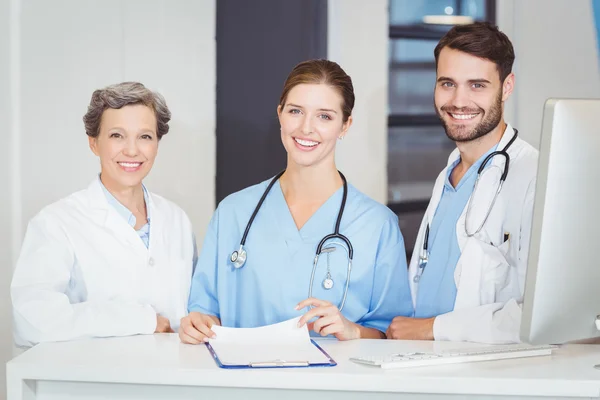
(238, 258)
(328, 281)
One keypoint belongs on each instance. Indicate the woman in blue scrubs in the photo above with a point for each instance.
(279, 279)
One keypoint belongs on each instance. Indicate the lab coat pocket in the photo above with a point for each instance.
(495, 271)
(505, 247)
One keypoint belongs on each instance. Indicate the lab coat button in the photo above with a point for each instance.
(151, 261)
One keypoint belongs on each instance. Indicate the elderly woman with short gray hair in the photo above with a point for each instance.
(113, 259)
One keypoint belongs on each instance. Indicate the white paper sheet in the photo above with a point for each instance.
(278, 343)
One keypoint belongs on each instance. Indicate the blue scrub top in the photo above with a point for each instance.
(437, 289)
(277, 272)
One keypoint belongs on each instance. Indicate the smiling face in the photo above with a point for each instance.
(311, 121)
(469, 96)
(127, 145)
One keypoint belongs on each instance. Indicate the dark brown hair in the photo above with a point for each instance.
(121, 95)
(483, 40)
(321, 71)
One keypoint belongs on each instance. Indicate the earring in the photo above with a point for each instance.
(341, 137)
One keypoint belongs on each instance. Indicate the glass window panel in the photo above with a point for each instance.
(411, 12)
(411, 91)
(412, 50)
(474, 8)
(416, 155)
(412, 76)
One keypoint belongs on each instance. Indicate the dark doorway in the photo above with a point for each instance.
(258, 44)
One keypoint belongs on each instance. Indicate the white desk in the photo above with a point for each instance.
(160, 367)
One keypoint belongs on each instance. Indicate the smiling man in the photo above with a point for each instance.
(468, 269)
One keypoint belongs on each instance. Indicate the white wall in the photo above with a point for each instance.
(358, 41)
(5, 194)
(556, 56)
(167, 45)
(70, 48)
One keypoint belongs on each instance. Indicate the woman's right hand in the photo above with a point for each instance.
(196, 328)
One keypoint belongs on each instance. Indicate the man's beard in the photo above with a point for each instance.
(459, 133)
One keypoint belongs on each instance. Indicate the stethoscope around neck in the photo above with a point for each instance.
(238, 257)
(424, 255)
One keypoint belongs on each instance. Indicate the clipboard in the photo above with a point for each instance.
(261, 364)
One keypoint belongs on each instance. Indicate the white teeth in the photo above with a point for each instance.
(307, 143)
(463, 116)
(130, 165)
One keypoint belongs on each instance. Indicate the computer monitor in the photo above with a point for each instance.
(562, 288)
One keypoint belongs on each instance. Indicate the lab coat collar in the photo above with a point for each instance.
(506, 137)
(124, 211)
(103, 214)
(97, 198)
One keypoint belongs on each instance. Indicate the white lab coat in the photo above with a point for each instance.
(84, 271)
(490, 273)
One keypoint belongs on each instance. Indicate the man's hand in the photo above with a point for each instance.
(411, 328)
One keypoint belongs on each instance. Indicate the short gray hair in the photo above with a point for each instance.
(121, 95)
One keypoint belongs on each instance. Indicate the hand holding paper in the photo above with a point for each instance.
(330, 320)
(197, 328)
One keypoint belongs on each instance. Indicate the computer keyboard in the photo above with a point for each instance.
(488, 353)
